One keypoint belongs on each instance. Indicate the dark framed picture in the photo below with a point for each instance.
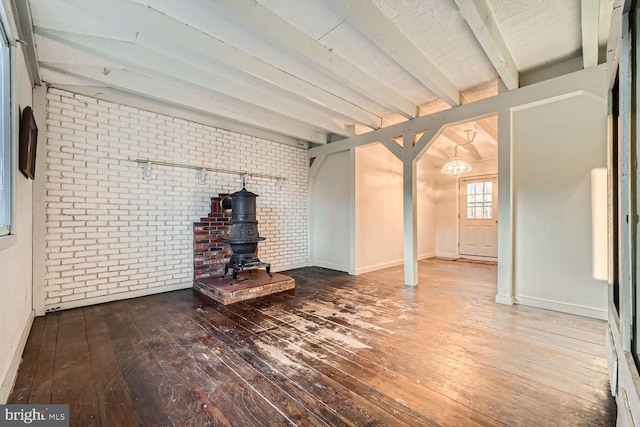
(28, 143)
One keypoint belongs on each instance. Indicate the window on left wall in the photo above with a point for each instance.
(6, 154)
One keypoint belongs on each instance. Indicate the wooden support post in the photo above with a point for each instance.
(627, 255)
(352, 211)
(409, 198)
(505, 293)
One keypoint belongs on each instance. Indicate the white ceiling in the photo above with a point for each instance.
(316, 70)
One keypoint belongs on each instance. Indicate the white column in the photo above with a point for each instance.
(352, 211)
(38, 200)
(409, 198)
(505, 207)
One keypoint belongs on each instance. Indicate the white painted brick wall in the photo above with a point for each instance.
(112, 234)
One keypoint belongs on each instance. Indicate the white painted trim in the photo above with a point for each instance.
(389, 264)
(14, 118)
(625, 371)
(290, 266)
(426, 256)
(160, 32)
(119, 296)
(184, 96)
(258, 19)
(601, 100)
(551, 71)
(38, 197)
(548, 101)
(410, 212)
(372, 23)
(481, 177)
(505, 299)
(377, 267)
(161, 65)
(548, 89)
(580, 310)
(7, 241)
(479, 257)
(447, 255)
(506, 257)
(24, 27)
(331, 266)
(352, 210)
(478, 15)
(590, 16)
(10, 377)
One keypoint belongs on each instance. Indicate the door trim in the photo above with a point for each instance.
(479, 177)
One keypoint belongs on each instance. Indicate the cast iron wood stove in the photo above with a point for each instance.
(243, 236)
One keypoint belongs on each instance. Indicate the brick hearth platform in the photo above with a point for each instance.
(250, 284)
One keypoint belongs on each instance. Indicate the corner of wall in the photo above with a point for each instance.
(10, 377)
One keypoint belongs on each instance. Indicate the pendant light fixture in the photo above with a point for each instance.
(456, 166)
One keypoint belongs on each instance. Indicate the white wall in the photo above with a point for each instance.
(330, 213)
(379, 236)
(16, 312)
(378, 210)
(426, 174)
(555, 146)
(447, 207)
(111, 234)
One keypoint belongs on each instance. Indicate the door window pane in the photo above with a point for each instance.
(480, 200)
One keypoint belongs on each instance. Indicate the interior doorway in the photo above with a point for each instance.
(478, 235)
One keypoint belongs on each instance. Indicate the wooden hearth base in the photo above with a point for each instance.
(249, 284)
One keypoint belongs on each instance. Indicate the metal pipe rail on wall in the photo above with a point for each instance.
(146, 164)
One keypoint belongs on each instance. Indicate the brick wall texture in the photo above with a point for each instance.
(111, 233)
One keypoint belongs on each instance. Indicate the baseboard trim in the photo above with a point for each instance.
(382, 266)
(12, 373)
(331, 266)
(479, 258)
(290, 267)
(119, 296)
(580, 310)
(505, 299)
(447, 255)
(377, 267)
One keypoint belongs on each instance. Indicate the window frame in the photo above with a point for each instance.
(10, 239)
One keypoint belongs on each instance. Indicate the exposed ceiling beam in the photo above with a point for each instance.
(481, 21)
(370, 21)
(590, 17)
(261, 21)
(160, 32)
(462, 143)
(573, 84)
(25, 28)
(152, 62)
(620, 7)
(184, 97)
(604, 26)
(486, 125)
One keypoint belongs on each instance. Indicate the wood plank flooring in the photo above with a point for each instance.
(339, 350)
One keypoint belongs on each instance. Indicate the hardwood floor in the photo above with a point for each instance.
(340, 350)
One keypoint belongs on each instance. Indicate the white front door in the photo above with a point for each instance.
(479, 216)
